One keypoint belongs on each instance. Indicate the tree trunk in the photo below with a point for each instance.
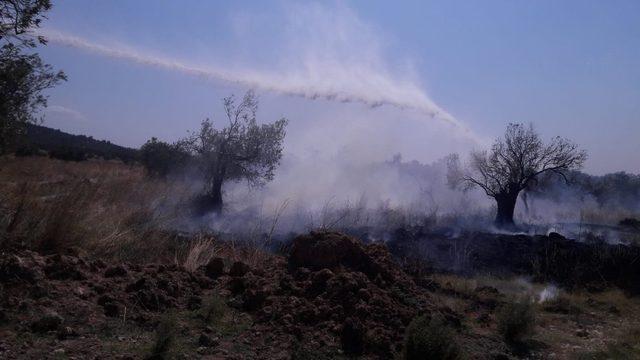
(212, 200)
(506, 207)
(215, 195)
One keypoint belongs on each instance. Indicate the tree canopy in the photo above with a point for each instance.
(243, 150)
(23, 75)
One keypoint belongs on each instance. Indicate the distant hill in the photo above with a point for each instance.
(65, 146)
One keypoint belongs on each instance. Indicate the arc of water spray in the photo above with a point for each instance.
(410, 99)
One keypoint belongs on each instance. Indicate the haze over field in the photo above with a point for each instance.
(355, 81)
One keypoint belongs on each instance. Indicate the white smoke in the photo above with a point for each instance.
(381, 90)
(328, 53)
(550, 292)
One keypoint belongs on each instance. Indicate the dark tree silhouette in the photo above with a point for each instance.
(243, 150)
(513, 163)
(23, 76)
(161, 159)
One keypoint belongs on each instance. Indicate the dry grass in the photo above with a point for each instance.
(202, 249)
(109, 210)
(102, 208)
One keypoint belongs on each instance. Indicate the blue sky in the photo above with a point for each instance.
(572, 68)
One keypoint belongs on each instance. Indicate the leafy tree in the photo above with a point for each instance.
(23, 76)
(243, 150)
(160, 158)
(513, 164)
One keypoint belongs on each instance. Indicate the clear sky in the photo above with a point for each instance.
(448, 75)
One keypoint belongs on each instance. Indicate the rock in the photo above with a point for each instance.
(582, 333)
(194, 302)
(81, 292)
(152, 300)
(14, 268)
(254, 299)
(111, 309)
(136, 286)
(319, 281)
(614, 310)
(115, 271)
(207, 341)
(66, 333)
(96, 265)
(237, 285)
(364, 294)
(302, 273)
(38, 292)
(104, 299)
(214, 268)
(110, 306)
(48, 322)
(99, 289)
(63, 268)
(239, 269)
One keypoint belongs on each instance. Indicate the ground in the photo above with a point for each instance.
(103, 281)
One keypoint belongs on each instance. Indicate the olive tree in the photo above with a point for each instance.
(512, 164)
(243, 150)
(23, 75)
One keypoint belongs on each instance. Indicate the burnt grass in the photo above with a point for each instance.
(592, 266)
(328, 295)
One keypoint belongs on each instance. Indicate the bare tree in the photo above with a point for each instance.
(243, 150)
(513, 163)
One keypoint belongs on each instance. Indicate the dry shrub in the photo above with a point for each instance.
(430, 338)
(517, 319)
(200, 251)
(252, 253)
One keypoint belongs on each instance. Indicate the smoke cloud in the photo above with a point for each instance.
(321, 67)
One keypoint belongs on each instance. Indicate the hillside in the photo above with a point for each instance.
(65, 146)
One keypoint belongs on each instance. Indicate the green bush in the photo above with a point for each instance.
(516, 320)
(430, 338)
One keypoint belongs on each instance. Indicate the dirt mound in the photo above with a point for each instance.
(347, 295)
